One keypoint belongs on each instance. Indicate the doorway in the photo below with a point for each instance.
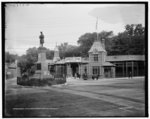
(107, 72)
(75, 68)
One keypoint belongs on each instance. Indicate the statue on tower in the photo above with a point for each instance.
(41, 39)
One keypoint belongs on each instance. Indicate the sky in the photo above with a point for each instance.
(64, 22)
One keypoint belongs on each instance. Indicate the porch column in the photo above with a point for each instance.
(123, 69)
(101, 72)
(80, 69)
(56, 69)
(137, 69)
(126, 69)
(132, 68)
(68, 70)
(113, 70)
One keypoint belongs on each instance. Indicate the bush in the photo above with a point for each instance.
(95, 77)
(26, 81)
(85, 77)
(60, 80)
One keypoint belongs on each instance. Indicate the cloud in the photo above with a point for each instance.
(128, 14)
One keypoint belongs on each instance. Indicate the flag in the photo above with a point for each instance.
(97, 23)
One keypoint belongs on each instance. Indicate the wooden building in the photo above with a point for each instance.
(11, 70)
(98, 64)
(128, 63)
(101, 65)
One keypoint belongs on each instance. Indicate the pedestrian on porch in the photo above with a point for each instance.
(130, 75)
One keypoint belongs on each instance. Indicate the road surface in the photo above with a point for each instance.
(77, 98)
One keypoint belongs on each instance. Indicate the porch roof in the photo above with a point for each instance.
(108, 64)
(47, 61)
(75, 60)
(60, 61)
(125, 58)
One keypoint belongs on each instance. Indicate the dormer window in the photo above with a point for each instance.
(96, 57)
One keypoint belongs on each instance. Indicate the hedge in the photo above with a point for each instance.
(26, 81)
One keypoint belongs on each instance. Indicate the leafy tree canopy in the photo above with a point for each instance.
(10, 58)
(86, 41)
(131, 41)
(27, 61)
(66, 50)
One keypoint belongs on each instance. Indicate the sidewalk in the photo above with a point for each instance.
(71, 81)
(77, 79)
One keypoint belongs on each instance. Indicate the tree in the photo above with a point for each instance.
(32, 56)
(86, 41)
(10, 58)
(135, 30)
(22, 63)
(62, 49)
(120, 45)
(27, 62)
(67, 50)
(131, 41)
(49, 54)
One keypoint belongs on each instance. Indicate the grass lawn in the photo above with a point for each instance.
(56, 104)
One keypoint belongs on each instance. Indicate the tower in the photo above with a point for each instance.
(97, 56)
(56, 54)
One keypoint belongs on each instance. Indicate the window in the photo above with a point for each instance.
(96, 70)
(39, 66)
(51, 68)
(96, 57)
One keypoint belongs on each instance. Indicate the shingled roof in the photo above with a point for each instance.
(97, 47)
(108, 64)
(125, 58)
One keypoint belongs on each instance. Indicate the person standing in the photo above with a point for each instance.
(130, 75)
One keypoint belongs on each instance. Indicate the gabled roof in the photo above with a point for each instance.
(125, 58)
(97, 47)
(108, 64)
(60, 62)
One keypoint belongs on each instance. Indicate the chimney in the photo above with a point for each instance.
(103, 43)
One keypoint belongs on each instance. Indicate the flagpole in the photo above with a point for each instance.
(97, 27)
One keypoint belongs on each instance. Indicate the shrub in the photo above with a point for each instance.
(26, 81)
